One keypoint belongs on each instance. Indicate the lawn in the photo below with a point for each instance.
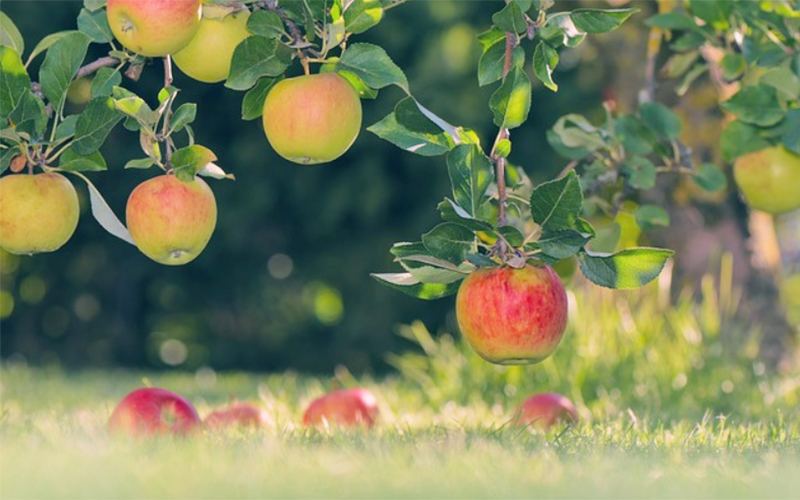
(673, 403)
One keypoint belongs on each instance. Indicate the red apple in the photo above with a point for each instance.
(154, 28)
(151, 411)
(347, 408)
(237, 414)
(544, 410)
(512, 316)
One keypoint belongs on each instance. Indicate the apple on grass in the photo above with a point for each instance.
(171, 220)
(512, 316)
(544, 410)
(154, 28)
(343, 408)
(151, 411)
(237, 415)
(207, 57)
(769, 179)
(38, 213)
(312, 118)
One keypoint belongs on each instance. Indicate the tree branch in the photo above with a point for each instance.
(94, 66)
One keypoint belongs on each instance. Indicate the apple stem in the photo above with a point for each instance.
(294, 31)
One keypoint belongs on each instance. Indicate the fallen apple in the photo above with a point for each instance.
(512, 316)
(545, 410)
(769, 179)
(154, 28)
(207, 57)
(237, 415)
(151, 411)
(313, 118)
(38, 213)
(346, 408)
(171, 220)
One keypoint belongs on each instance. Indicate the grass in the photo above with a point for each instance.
(673, 400)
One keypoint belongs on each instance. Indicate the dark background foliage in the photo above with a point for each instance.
(284, 282)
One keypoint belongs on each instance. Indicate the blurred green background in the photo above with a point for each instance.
(284, 282)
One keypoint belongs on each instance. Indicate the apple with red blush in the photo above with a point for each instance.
(151, 411)
(237, 415)
(542, 411)
(342, 408)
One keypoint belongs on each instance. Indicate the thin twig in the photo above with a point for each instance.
(94, 66)
(168, 110)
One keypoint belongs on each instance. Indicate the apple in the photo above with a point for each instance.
(512, 316)
(38, 213)
(769, 179)
(237, 414)
(171, 220)
(313, 118)
(545, 410)
(207, 57)
(154, 28)
(346, 408)
(151, 411)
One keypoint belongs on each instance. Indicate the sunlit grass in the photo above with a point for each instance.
(673, 398)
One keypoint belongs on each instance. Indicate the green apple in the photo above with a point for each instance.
(512, 316)
(312, 118)
(154, 28)
(171, 220)
(769, 179)
(38, 213)
(207, 58)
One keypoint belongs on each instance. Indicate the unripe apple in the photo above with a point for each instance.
(154, 28)
(544, 410)
(38, 213)
(313, 118)
(207, 57)
(151, 411)
(769, 179)
(171, 220)
(237, 415)
(346, 408)
(512, 316)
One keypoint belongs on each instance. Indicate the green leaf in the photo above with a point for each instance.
(265, 23)
(372, 65)
(716, 14)
(661, 120)
(60, 65)
(30, 115)
(10, 35)
(186, 162)
(104, 82)
(490, 65)
(545, 60)
(14, 81)
(599, 21)
(409, 129)
(141, 163)
(449, 241)
(94, 5)
(361, 15)
(791, 137)
(641, 172)
(94, 125)
(710, 177)
(650, 217)
(512, 235)
(740, 138)
(562, 244)
(556, 205)
(470, 174)
(503, 148)
(733, 66)
(253, 101)
(756, 104)
(679, 63)
(635, 136)
(511, 19)
(183, 116)
(46, 42)
(6, 156)
(672, 21)
(255, 57)
(95, 25)
(70, 161)
(66, 128)
(410, 285)
(450, 211)
(624, 270)
(784, 81)
(511, 103)
(576, 132)
(133, 106)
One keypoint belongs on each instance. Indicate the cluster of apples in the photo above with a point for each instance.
(152, 411)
